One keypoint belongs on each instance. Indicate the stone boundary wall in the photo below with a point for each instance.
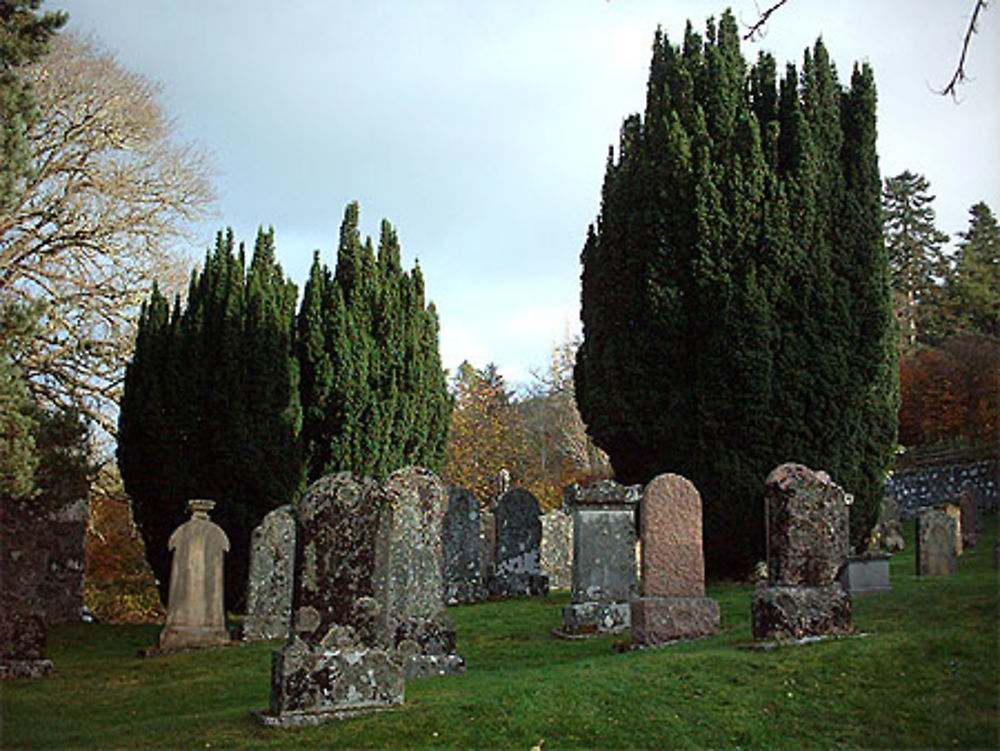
(929, 486)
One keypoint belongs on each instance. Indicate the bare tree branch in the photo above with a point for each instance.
(758, 27)
(960, 75)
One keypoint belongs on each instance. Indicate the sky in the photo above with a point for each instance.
(480, 128)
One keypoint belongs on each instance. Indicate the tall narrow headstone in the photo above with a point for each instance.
(195, 613)
(269, 588)
(953, 510)
(604, 565)
(460, 535)
(672, 603)
(935, 547)
(972, 526)
(557, 548)
(413, 626)
(517, 561)
(807, 533)
(333, 665)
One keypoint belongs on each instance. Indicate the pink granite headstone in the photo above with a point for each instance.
(671, 603)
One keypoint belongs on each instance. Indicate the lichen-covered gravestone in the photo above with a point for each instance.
(333, 665)
(413, 626)
(671, 603)
(269, 587)
(604, 569)
(935, 548)
(517, 560)
(557, 548)
(460, 540)
(807, 533)
(195, 614)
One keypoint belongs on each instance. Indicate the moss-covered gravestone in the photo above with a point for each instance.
(807, 534)
(272, 568)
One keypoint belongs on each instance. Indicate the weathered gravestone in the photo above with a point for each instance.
(935, 547)
(41, 579)
(807, 535)
(195, 613)
(955, 512)
(460, 543)
(487, 544)
(971, 524)
(888, 532)
(671, 603)
(269, 588)
(413, 625)
(517, 562)
(333, 665)
(557, 548)
(604, 567)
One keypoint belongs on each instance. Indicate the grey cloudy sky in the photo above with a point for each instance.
(480, 128)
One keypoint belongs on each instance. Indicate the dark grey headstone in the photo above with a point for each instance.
(460, 541)
(517, 562)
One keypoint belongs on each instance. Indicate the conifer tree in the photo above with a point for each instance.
(973, 289)
(917, 265)
(210, 408)
(735, 302)
(373, 392)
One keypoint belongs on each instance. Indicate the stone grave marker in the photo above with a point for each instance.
(557, 548)
(413, 626)
(517, 561)
(487, 545)
(272, 565)
(955, 512)
(935, 548)
(333, 665)
(604, 564)
(195, 613)
(807, 533)
(888, 533)
(671, 603)
(970, 522)
(460, 542)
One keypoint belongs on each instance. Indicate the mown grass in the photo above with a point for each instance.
(923, 675)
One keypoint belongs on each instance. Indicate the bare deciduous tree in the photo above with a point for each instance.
(109, 200)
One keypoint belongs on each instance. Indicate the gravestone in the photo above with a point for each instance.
(269, 588)
(195, 613)
(517, 560)
(460, 543)
(888, 533)
(334, 665)
(413, 626)
(955, 512)
(557, 548)
(604, 565)
(969, 516)
(807, 534)
(671, 604)
(487, 545)
(866, 574)
(935, 547)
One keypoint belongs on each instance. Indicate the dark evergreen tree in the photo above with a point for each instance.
(373, 393)
(210, 408)
(735, 300)
(918, 267)
(973, 289)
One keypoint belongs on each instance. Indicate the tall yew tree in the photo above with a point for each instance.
(373, 392)
(210, 408)
(735, 297)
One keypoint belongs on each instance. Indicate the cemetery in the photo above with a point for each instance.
(752, 500)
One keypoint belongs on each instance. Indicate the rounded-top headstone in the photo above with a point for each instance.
(670, 526)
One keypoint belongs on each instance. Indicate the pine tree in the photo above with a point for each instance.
(735, 302)
(211, 407)
(373, 393)
(917, 265)
(973, 289)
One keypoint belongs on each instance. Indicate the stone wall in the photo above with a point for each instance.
(929, 486)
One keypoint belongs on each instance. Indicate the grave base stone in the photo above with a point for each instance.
(23, 638)
(342, 682)
(595, 617)
(426, 647)
(661, 619)
(794, 612)
(866, 575)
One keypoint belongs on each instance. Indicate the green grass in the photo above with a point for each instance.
(925, 675)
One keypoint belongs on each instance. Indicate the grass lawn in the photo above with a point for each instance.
(924, 675)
